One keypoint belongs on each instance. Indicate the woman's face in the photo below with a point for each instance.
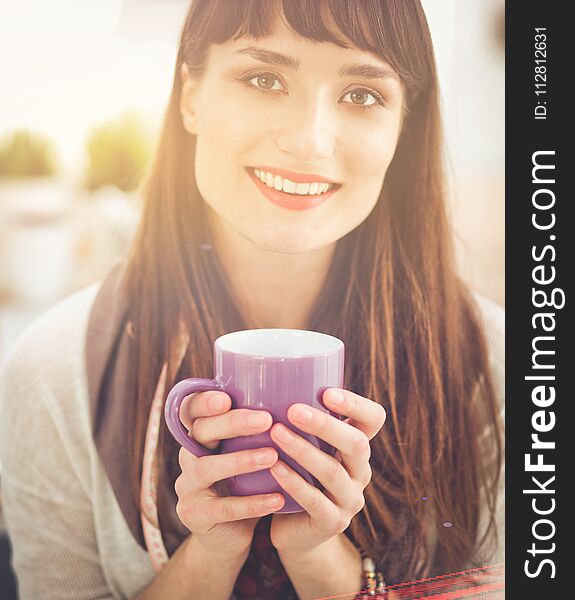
(297, 114)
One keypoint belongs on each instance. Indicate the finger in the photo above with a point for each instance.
(202, 473)
(366, 415)
(339, 486)
(353, 444)
(234, 423)
(200, 516)
(237, 508)
(203, 404)
(321, 509)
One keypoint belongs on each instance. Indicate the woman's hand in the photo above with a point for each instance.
(328, 513)
(224, 525)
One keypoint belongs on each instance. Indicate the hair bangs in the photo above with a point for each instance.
(375, 26)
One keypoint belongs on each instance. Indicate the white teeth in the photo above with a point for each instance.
(280, 183)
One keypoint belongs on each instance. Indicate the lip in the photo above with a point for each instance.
(296, 177)
(291, 201)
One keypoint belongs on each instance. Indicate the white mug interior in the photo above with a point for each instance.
(279, 343)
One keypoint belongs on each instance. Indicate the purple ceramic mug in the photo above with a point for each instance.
(265, 369)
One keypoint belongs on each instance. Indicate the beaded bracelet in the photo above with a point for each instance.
(373, 582)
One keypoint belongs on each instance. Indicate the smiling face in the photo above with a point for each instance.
(294, 137)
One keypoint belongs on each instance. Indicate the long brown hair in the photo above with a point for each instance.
(413, 338)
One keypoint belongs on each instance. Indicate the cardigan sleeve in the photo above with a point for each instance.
(46, 468)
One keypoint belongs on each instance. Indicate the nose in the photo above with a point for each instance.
(309, 131)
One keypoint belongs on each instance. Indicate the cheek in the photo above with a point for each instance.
(369, 162)
(216, 140)
(375, 148)
(369, 152)
(223, 136)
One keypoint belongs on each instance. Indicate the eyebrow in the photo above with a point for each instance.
(365, 70)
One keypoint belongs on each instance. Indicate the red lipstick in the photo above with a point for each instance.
(293, 201)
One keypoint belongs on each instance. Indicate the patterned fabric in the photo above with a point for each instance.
(263, 576)
(148, 493)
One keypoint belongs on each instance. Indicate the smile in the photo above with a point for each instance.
(279, 187)
(277, 182)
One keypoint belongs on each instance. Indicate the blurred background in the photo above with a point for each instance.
(83, 86)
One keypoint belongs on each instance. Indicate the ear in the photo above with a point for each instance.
(188, 100)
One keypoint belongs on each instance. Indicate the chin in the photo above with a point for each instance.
(286, 243)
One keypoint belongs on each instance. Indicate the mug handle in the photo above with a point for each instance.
(172, 411)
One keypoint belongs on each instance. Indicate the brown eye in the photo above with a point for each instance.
(363, 98)
(265, 81)
(359, 97)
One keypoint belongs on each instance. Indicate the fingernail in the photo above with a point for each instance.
(283, 434)
(258, 419)
(280, 469)
(303, 414)
(263, 457)
(272, 501)
(216, 402)
(335, 397)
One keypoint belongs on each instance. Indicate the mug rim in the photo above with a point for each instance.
(339, 345)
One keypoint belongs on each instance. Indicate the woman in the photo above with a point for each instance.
(297, 184)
